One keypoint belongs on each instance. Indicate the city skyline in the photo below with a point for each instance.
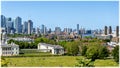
(64, 14)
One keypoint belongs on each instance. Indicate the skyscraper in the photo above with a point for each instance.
(110, 30)
(30, 26)
(105, 30)
(9, 25)
(57, 30)
(3, 21)
(25, 27)
(78, 29)
(117, 31)
(18, 25)
(43, 29)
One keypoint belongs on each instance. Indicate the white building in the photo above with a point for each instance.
(54, 49)
(23, 39)
(9, 49)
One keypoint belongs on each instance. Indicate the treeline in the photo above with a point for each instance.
(91, 48)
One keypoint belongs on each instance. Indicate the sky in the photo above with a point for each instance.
(64, 14)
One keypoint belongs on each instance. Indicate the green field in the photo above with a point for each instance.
(55, 61)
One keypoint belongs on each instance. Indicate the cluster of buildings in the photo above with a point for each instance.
(13, 49)
(12, 26)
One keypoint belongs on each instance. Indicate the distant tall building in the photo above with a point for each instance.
(69, 30)
(105, 30)
(117, 31)
(37, 31)
(30, 26)
(9, 25)
(18, 25)
(78, 29)
(25, 27)
(110, 30)
(43, 29)
(57, 30)
(49, 31)
(3, 21)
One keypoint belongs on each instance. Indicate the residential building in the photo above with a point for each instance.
(110, 30)
(105, 30)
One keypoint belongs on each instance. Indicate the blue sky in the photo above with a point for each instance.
(88, 14)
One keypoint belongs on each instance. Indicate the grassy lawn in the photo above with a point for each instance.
(107, 62)
(55, 61)
(43, 61)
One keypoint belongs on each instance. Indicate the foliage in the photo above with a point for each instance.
(96, 51)
(44, 40)
(103, 52)
(83, 62)
(115, 53)
(24, 45)
(4, 62)
(84, 49)
(72, 48)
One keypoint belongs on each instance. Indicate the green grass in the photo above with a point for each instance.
(55, 61)
(107, 62)
(43, 61)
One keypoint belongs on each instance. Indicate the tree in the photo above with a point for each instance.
(84, 49)
(84, 62)
(92, 53)
(72, 48)
(103, 52)
(115, 53)
(96, 51)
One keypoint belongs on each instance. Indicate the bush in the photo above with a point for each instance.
(115, 53)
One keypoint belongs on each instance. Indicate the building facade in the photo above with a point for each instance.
(54, 49)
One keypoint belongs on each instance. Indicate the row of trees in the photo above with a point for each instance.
(24, 45)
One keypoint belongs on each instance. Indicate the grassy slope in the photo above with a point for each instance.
(67, 61)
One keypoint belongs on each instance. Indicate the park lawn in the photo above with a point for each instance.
(55, 61)
(107, 62)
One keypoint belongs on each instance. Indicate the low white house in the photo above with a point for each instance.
(9, 49)
(54, 49)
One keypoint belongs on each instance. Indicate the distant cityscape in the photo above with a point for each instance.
(12, 26)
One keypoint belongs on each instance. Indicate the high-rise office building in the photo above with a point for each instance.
(105, 30)
(110, 30)
(43, 29)
(78, 29)
(57, 30)
(18, 25)
(9, 25)
(30, 26)
(117, 31)
(25, 27)
(3, 21)
(49, 31)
